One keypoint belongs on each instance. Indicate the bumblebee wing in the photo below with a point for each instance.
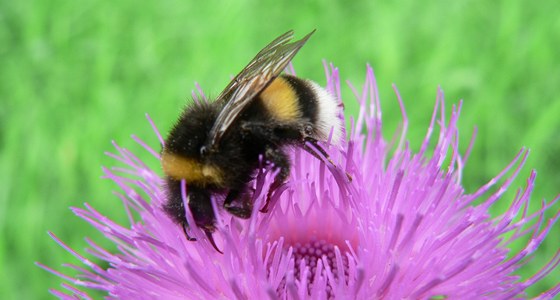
(249, 70)
(241, 91)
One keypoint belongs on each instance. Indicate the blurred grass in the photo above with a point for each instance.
(76, 75)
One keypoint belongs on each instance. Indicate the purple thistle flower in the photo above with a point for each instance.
(402, 228)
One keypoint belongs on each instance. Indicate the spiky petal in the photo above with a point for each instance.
(400, 226)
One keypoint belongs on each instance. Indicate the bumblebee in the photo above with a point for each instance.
(216, 147)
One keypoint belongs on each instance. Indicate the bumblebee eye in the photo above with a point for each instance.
(203, 151)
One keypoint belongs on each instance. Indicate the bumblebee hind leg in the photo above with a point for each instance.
(317, 148)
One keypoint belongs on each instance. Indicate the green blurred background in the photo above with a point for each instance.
(75, 75)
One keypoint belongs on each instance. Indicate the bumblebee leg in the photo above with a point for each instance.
(185, 226)
(174, 206)
(201, 208)
(203, 214)
(282, 162)
(318, 148)
(275, 133)
(244, 211)
(322, 151)
(211, 240)
(199, 204)
(300, 132)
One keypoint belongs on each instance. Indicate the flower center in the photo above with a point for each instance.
(318, 268)
(313, 251)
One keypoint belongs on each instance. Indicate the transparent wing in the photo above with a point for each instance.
(243, 89)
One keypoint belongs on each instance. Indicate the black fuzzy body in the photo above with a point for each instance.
(256, 133)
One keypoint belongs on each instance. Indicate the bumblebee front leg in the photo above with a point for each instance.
(174, 207)
(200, 206)
(202, 211)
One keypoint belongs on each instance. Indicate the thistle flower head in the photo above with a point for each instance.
(400, 226)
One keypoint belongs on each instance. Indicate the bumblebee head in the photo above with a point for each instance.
(185, 155)
(188, 136)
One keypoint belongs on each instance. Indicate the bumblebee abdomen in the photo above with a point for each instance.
(290, 99)
(281, 100)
